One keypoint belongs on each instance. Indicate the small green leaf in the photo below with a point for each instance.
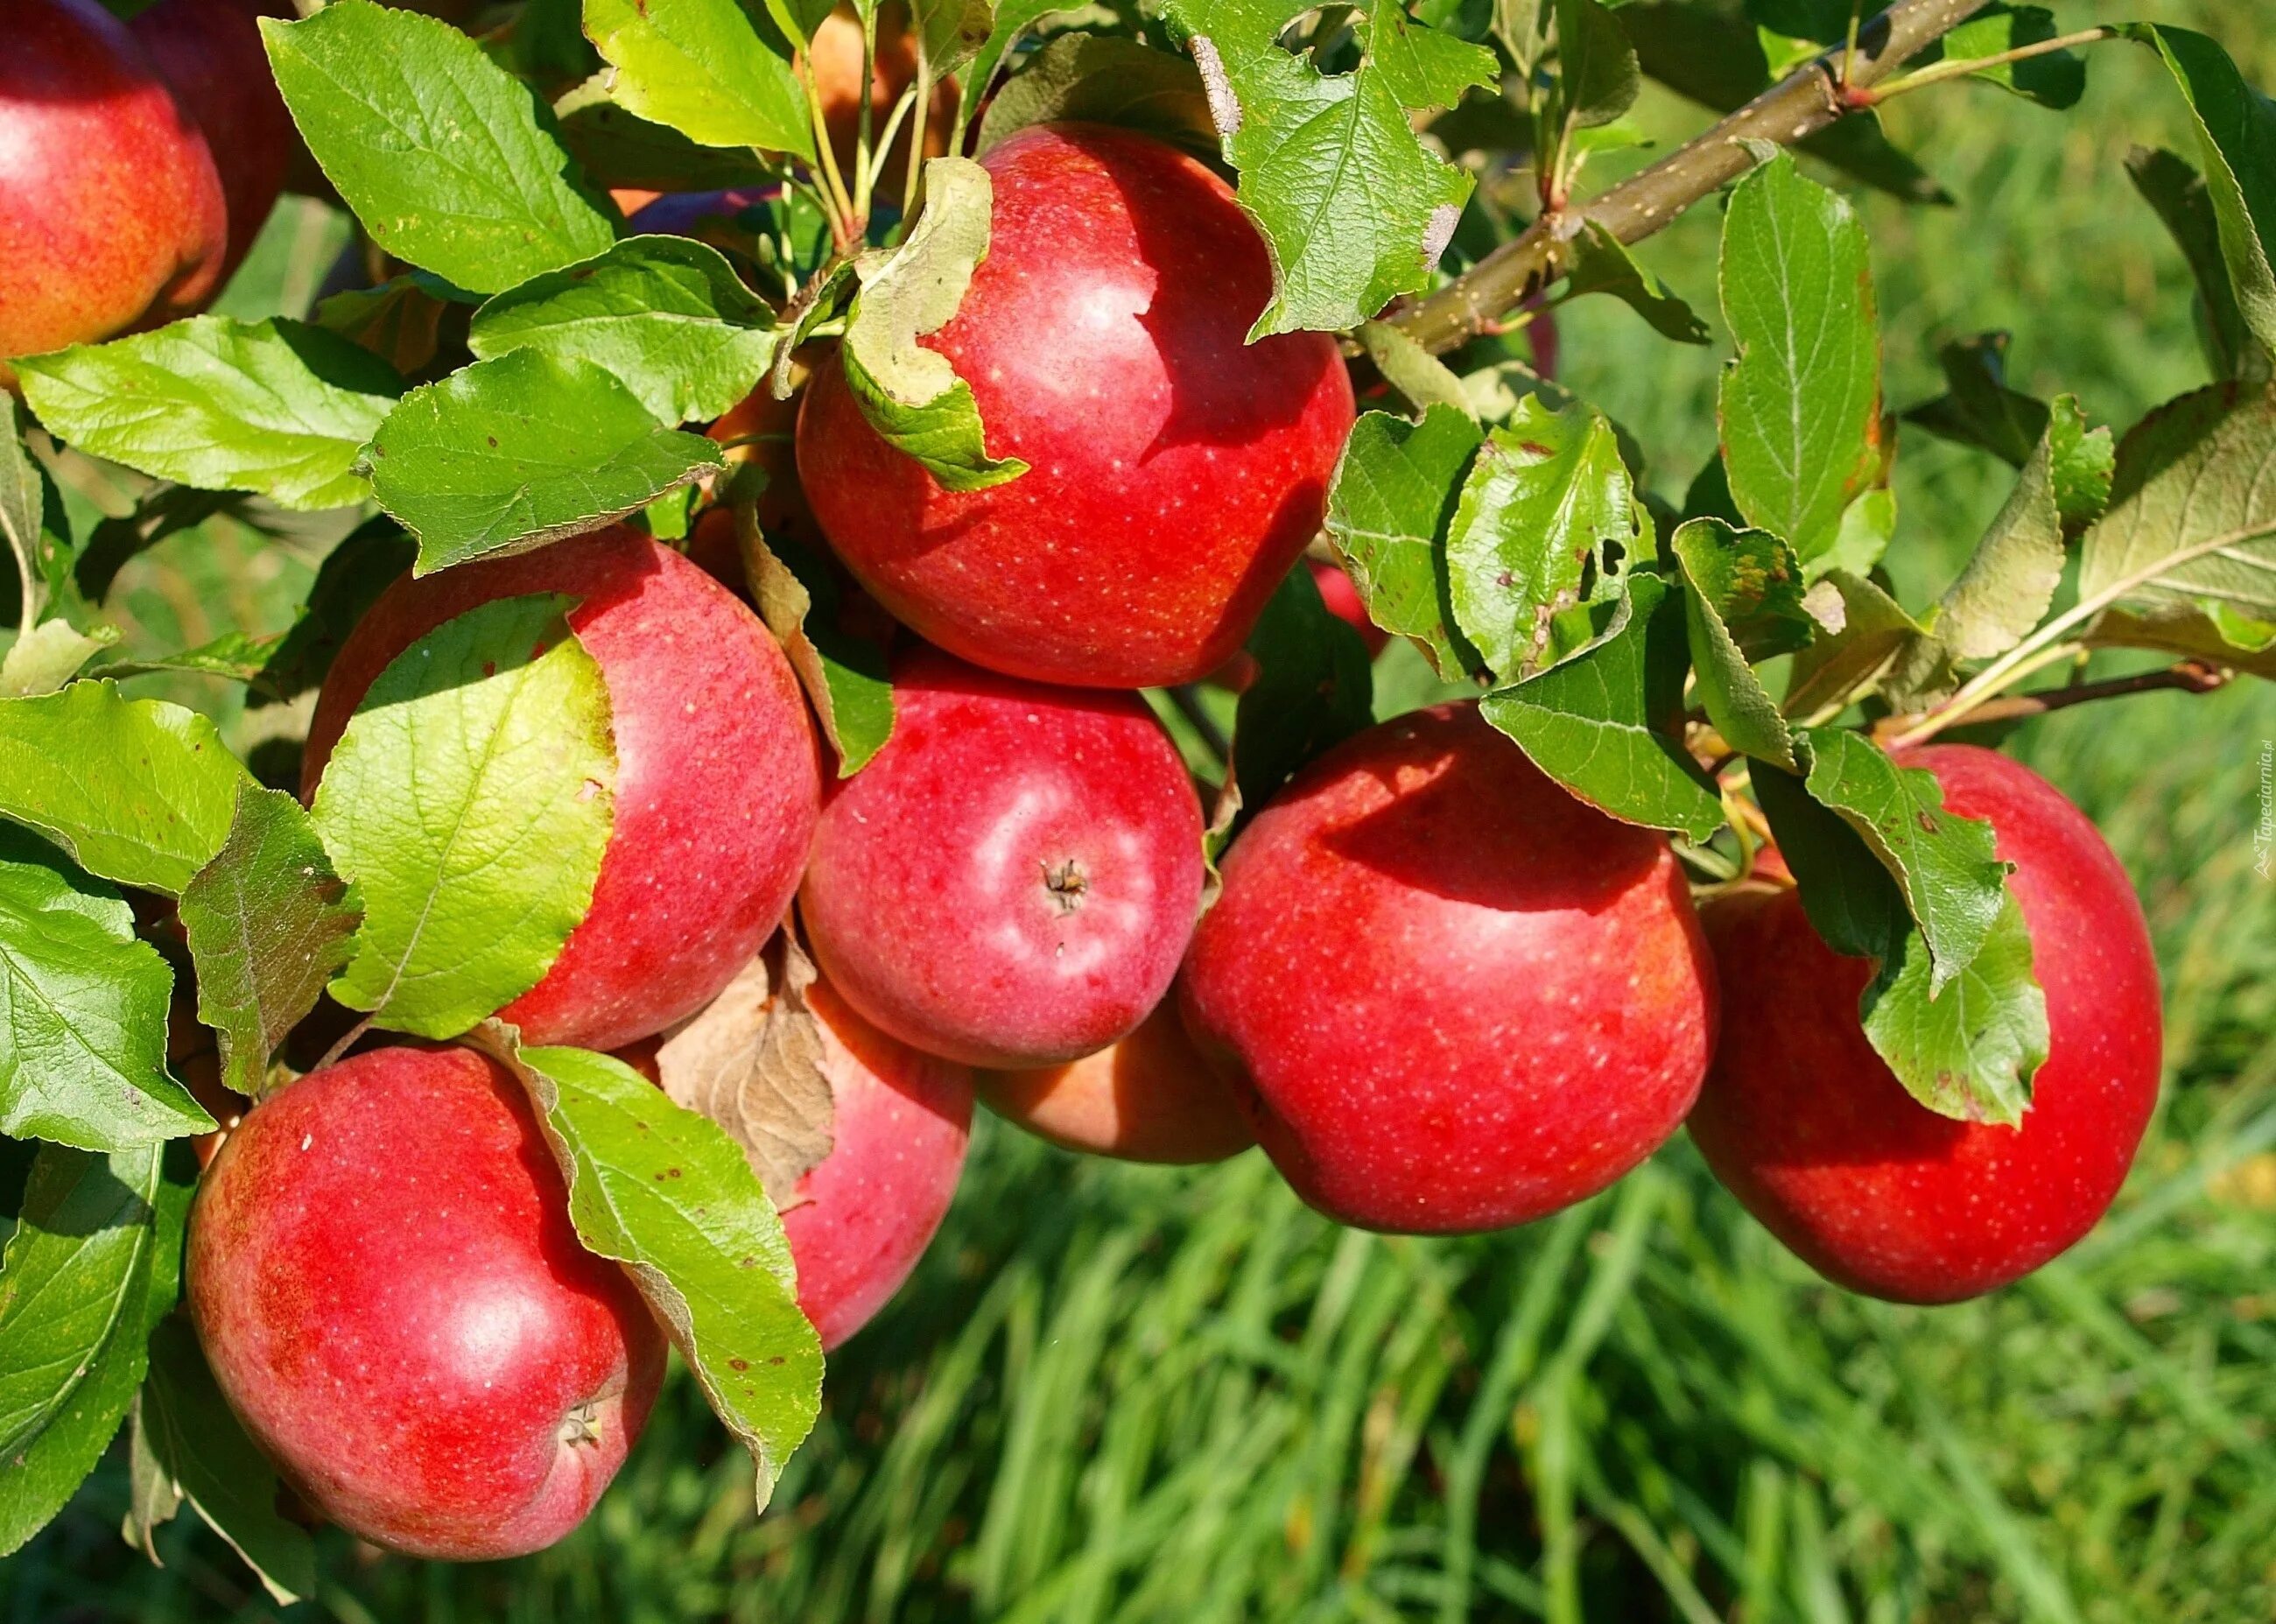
(1953, 883)
(1314, 689)
(1012, 19)
(1353, 208)
(50, 655)
(2236, 144)
(1981, 410)
(910, 395)
(470, 801)
(233, 657)
(1606, 723)
(666, 1193)
(2056, 79)
(2011, 578)
(1102, 79)
(276, 406)
(1547, 520)
(1422, 377)
(450, 161)
(703, 68)
(950, 31)
(1861, 629)
(1801, 405)
(1742, 604)
(1599, 79)
(618, 148)
(845, 675)
(2192, 522)
(1389, 508)
(138, 790)
(23, 493)
(509, 454)
(1600, 263)
(1967, 1050)
(80, 1285)
(194, 1439)
(270, 922)
(666, 315)
(2184, 202)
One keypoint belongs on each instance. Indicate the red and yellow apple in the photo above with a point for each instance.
(1151, 1098)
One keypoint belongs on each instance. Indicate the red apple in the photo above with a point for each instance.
(383, 1271)
(1011, 881)
(1455, 998)
(211, 52)
(1151, 1098)
(1175, 472)
(1816, 1135)
(866, 1213)
(111, 211)
(717, 783)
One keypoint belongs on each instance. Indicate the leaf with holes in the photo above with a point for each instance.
(1389, 508)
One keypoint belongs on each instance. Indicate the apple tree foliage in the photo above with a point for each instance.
(524, 367)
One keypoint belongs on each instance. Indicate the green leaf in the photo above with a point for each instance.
(233, 657)
(1742, 604)
(1600, 263)
(2184, 202)
(1953, 885)
(666, 1193)
(470, 801)
(1314, 689)
(84, 1005)
(449, 161)
(1420, 376)
(666, 315)
(1354, 210)
(1103, 79)
(910, 395)
(950, 31)
(2011, 578)
(194, 1438)
(1981, 410)
(617, 148)
(1862, 628)
(1607, 724)
(509, 454)
(353, 575)
(276, 406)
(1967, 1050)
(1012, 19)
(1598, 78)
(2236, 143)
(1389, 509)
(845, 674)
(1547, 520)
(1801, 405)
(2056, 79)
(79, 1287)
(270, 922)
(2192, 525)
(138, 790)
(42, 660)
(23, 493)
(701, 68)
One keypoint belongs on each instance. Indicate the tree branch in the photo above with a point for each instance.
(2190, 677)
(1805, 101)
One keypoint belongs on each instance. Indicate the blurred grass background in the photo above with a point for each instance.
(1141, 1394)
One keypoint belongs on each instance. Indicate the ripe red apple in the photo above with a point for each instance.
(1816, 1135)
(717, 783)
(1151, 1098)
(1175, 472)
(1455, 998)
(864, 1215)
(383, 1271)
(211, 52)
(111, 211)
(1012, 879)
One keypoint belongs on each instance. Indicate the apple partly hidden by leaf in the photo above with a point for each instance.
(1175, 472)
(1806, 1126)
(1012, 880)
(1452, 997)
(717, 781)
(383, 1272)
(211, 52)
(1151, 1098)
(111, 210)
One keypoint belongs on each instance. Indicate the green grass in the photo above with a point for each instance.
(1136, 1394)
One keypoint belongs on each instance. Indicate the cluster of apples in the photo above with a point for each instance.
(1443, 995)
(140, 160)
